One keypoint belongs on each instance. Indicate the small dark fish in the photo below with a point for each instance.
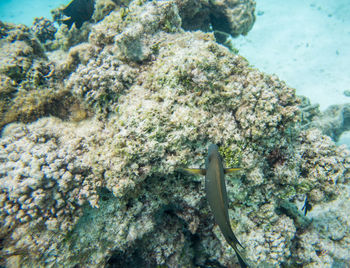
(217, 196)
(307, 206)
(78, 11)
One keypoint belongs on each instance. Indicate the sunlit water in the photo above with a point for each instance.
(23, 11)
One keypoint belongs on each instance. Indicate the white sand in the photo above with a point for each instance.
(307, 44)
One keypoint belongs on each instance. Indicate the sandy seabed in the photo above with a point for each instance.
(307, 44)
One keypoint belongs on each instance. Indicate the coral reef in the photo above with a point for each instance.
(106, 191)
(232, 16)
(69, 36)
(308, 112)
(334, 121)
(229, 16)
(327, 243)
(103, 8)
(24, 72)
(66, 38)
(44, 29)
(43, 184)
(30, 84)
(19, 48)
(101, 92)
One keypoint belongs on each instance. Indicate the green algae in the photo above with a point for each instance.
(232, 156)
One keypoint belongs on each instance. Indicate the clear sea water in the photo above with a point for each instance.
(305, 42)
(23, 11)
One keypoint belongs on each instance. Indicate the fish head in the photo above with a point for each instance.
(213, 153)
(213, 148)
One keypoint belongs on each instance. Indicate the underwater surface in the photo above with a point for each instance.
(109, 110)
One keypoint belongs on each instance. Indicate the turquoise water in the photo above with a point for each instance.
(23, 11)
(307, 44)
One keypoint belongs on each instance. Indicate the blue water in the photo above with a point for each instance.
(23, 11)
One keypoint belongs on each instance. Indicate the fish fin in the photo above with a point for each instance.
(235, 241)
(230, 170)
(242, 261)
(195, 171)
(66, 18)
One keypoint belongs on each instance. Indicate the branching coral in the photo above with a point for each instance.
(44, 182)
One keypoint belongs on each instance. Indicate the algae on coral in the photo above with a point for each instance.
(92, 192)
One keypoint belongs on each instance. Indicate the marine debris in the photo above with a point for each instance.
(101, 189)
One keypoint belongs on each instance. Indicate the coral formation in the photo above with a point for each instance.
(334, 121)
(232, 16)
(24, 69)
(103, 8)
(101, 92)
(19, 48)
(106, 191)
(44, 29)
(229, 16)
(66, 38)
(43, 184)
(308, 112)
(327, 243)
(29, 79)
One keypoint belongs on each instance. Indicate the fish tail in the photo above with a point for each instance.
(242, 261)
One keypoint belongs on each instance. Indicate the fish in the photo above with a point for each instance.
(307, 206)
(78, 11)
(216, 194)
